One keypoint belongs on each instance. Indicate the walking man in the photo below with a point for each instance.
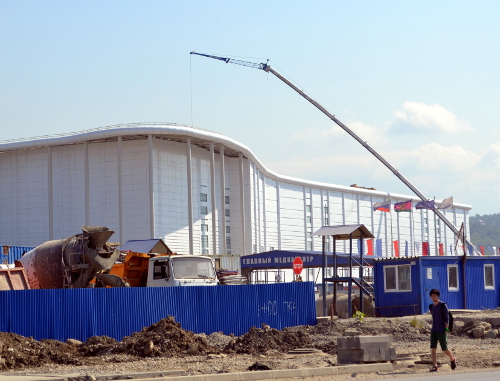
(439, 331)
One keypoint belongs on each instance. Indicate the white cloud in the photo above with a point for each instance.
(437, 158)
(369, 133)
(430, 117)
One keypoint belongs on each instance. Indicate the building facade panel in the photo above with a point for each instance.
(138, 178)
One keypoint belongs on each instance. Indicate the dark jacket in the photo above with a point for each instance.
(438, 323)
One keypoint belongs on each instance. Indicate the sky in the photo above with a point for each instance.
(418, 81)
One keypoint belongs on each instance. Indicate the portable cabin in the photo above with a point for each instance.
(402, 285)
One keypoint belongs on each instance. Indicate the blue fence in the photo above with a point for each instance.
(118, 312)
(9, 254)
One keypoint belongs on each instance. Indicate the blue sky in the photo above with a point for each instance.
(418, 80)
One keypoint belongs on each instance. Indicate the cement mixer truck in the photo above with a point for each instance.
(72, 262)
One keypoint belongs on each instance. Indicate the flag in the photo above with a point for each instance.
(384, 206)
(396, 248)
(369, 245)
(417, 247)
(441, 249)
(471, 250)
(404, 206)
(425, 248)
(406, 249)
(446, 204)
(429, 204)
(378, 248)
(481, 250)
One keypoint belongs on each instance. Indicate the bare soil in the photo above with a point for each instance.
(166, 346)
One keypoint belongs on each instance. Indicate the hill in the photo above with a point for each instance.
(485, 230)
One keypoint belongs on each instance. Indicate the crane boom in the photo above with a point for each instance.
(267, 68)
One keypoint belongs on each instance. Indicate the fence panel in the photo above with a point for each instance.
(118, 312)
(9, 254)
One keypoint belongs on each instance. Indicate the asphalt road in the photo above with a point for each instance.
(476, 376)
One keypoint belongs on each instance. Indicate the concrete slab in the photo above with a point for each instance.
(286, 373)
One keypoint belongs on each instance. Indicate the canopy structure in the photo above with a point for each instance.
(282, 259)
(146, 246)
(344, 232)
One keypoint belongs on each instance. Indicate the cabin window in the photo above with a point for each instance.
(160, 270)
(489, 277)
(453, 278)
(397, 278)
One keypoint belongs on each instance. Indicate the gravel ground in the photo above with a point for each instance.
(165, 346)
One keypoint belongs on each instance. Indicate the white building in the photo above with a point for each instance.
(202, 192)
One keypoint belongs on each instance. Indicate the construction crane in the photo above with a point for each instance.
(268, 69)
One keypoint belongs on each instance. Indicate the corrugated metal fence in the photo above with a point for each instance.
(118, 312)
(9, 254)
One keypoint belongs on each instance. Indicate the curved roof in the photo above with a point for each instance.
(180, 133)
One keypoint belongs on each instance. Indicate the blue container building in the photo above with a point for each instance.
(402, 285)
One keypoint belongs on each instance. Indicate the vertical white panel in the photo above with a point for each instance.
(190, 194)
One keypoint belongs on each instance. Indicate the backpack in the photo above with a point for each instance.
(450, 316)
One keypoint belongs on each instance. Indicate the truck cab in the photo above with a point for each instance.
(181, 270)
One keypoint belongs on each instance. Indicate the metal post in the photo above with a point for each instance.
(361, 269)
(349, 287)
(323, 268)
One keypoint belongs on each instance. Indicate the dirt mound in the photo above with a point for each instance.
(98, 346)
(258, 340)
(17, 352)
(165, 338)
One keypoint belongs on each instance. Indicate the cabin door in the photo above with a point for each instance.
(431, 280)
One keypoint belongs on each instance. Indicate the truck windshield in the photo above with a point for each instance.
(193, 268)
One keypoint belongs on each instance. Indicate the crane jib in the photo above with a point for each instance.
(267, 68)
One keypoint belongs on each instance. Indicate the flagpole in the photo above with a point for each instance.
(412, 225)
(392, 237)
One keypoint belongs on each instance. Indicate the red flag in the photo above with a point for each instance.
(396, 248)
(481, 250)
(369, 245)
(425, 248)
(441, 249)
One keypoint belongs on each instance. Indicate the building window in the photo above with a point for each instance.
(203, 197)
(308, 208)
(228, 243)
(453, 277)
(226, 200)
(204, 227)
(489, 277)
(326, 221)
(228, 229)
(308, 219)
(271, 248)
(228, 213)
(309, 245)
(204, 210)
(325, 209)
(397, 278)
(204, 241)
